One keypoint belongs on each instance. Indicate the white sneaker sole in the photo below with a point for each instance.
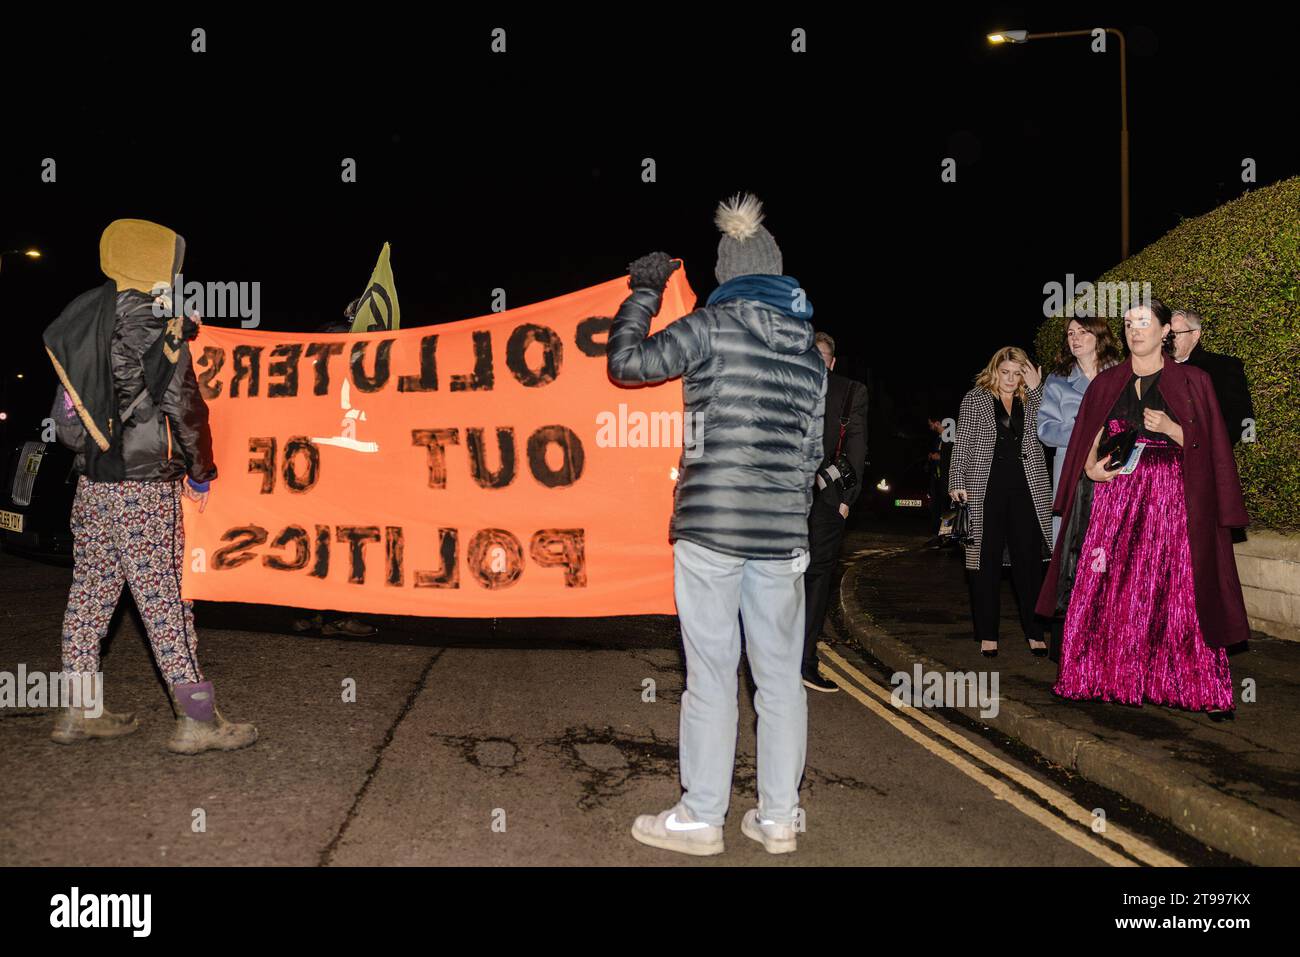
(694, 848)
(812, 687)
(770, 844)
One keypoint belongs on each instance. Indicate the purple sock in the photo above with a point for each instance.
(195, 699)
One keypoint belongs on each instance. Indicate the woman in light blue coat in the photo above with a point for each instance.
(1088, 347)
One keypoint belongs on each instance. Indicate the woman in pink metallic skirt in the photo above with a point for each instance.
(1133, 632)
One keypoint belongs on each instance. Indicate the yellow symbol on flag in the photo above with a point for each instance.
(377, 309)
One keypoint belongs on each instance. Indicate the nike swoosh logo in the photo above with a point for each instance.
(675, 825)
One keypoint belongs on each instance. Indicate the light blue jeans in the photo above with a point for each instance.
(714, 592)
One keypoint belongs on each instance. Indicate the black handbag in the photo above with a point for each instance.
(1119, 447)
(962, 533)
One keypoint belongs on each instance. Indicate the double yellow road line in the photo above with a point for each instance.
(1068, 819)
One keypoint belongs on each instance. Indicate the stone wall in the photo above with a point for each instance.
(1269, 566)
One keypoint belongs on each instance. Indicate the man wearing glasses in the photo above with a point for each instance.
(1226, 372)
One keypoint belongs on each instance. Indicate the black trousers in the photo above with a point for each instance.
(939, 503)
(1009, 522)
(825, 537)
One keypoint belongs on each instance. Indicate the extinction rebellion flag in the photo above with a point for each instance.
(481, 468)
(377, 310)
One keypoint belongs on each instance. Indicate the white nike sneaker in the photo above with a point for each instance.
(775, 838)
(676, 830)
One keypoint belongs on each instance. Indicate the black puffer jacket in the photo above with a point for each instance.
(755, 388)
(165, 442)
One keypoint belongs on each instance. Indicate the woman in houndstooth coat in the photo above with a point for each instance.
(998, 468)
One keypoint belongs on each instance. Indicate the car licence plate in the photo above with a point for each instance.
(907, 503)
(11, 521)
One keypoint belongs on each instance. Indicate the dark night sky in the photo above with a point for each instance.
(523, 171)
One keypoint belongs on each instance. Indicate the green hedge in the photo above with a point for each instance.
(1239, 267)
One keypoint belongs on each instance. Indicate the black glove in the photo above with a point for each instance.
(651, 272)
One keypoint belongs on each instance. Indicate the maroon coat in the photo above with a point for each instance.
(1210, 483)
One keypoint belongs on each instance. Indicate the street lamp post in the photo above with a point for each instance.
(1023, 36)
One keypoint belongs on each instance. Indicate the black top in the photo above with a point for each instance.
(1010, 426)
(1130, 407)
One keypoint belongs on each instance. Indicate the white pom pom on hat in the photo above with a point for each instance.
(746, 247)
(740, 216)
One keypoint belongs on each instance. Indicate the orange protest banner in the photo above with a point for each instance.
(482, 468)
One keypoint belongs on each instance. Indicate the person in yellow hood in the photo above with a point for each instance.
(129, 406)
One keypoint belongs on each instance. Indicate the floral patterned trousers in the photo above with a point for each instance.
(129, 533)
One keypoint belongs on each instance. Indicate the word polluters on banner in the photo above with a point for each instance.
(243, 376)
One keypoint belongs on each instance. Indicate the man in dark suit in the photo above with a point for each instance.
(936, 470)
(845, 428)
(1226, 372)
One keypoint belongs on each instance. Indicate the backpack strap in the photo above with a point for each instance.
(144, 392)
(135, 404)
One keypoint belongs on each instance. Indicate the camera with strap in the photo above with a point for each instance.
(839, 472)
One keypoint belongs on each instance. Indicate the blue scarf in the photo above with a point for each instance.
(775, 291)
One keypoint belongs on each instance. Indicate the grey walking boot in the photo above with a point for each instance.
(78, 724)
(199, 724)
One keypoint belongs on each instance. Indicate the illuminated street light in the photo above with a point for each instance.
(1023, 36)
(29, 253)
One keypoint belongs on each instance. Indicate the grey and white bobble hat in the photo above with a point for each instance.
(746, 248)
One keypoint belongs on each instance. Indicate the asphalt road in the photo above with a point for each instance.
(494, 743)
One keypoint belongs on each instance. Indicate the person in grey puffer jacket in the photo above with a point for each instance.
(754, 386)
(129, 405)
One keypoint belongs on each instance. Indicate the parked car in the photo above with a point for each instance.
(36, 501)
(901, 489)
(905, 495)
